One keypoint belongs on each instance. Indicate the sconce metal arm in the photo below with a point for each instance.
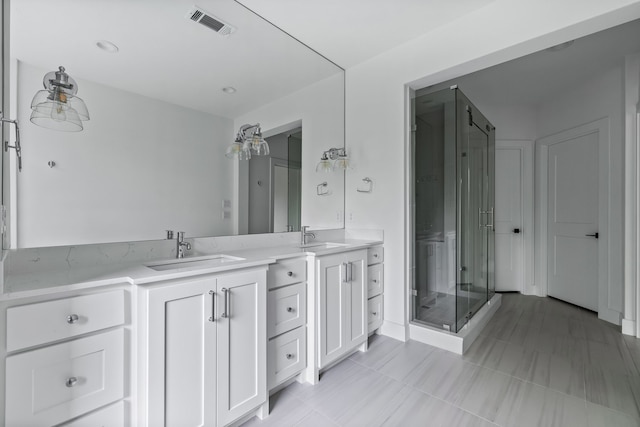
(17, 146)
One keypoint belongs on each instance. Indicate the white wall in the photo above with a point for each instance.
(598, 98)
(376, 100)
(319, 110)
(140, 166)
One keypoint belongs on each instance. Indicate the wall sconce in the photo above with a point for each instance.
(248, 140)
(339, 158)
(57, 107)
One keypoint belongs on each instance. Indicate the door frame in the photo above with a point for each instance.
(601, 128)
(526, 148)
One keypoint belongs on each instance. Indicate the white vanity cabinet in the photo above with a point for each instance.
(67, 355)
(203, 349)
(286, 320)
(342, 305)
(375, 288)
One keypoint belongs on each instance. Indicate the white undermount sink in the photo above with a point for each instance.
(193, 264)
(323, 245)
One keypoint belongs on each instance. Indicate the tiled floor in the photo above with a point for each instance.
(539, 362)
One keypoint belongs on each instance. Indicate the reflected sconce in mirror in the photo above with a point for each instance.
(57, 107)
(336, 155)
(16, 146)
(248, 141)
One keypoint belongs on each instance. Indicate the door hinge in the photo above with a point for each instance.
(414, 292)
(414, 128)
(470, 115)
(3, 219)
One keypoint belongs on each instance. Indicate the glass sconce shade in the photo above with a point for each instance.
(57, 107)
(324, 166)
(239, 151)
(248, 140)
(339, 158)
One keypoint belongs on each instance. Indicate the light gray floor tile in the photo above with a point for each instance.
(528, 404)
(315, 419)
(443, 375)
(486, 391)
(614, 390)
(420, 410)
(405, 361)
(381, 350)
(379, 403)
(599, 416)
(285, 410)
(553, 371)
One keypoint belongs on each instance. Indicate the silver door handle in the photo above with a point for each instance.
(213, 306)
(344, 272)
(349, 272)
(226, 293)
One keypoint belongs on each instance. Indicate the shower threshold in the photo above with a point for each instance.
(456, 342)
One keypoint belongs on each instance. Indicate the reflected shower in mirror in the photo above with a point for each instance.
(167, 95)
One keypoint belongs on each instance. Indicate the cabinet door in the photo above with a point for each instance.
(242, 344)
(331, 307)
(356, 328)
(182, 355)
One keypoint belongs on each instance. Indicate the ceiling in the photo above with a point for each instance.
(164, 55)
(533, 79)
(349, 32)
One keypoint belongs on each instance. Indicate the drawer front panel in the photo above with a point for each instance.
(286, 309)
(35, 324)
(111, 416)
(375, 313)
(286, 272)
(375, 255)
(54, 384)
(375, 279)
(286, 356)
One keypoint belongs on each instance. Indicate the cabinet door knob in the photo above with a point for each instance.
(290, 273)
(289, 356)
(71, 381)
(375, 280)
(375, 313)
(289, 309)
(72, 318)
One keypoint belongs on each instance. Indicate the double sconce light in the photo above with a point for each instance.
(57, 107)
(248, 141)
(333, 159)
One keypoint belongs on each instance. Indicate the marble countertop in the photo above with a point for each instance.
(66, 278)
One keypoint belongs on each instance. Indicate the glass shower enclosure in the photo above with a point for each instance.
(452, 200)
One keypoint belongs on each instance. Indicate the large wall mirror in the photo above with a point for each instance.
(165, 101)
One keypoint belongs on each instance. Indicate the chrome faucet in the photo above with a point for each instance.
(304, 234)
(181, 245)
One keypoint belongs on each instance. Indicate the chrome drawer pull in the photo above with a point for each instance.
(375, 280)
(290, 273)
(375, 313)
(213, 306)
(289, 356)
(226, 293)
(375, 255)
(289, 309)
(72, 318)
(71, 381)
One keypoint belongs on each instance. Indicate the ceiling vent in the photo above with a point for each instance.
(197, 14)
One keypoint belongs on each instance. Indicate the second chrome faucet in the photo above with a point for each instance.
(181, 245)
(304, 234)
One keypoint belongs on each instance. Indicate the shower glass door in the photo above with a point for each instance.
(475, 211)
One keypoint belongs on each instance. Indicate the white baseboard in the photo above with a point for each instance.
(394, 330)
(629, 327)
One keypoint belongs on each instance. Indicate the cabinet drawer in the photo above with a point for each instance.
(54, 384)
(286, 356)
(111, 416)
(286, 272)
(375, 313)
(286, 309)
(375, 255)
(35, 324)
(375, 274)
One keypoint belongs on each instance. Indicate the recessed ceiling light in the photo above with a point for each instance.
(559, 47)
(107, 46)
(229, 89)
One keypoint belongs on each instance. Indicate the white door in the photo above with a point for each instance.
(572, 221)
(331, 272)
(509, 232)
